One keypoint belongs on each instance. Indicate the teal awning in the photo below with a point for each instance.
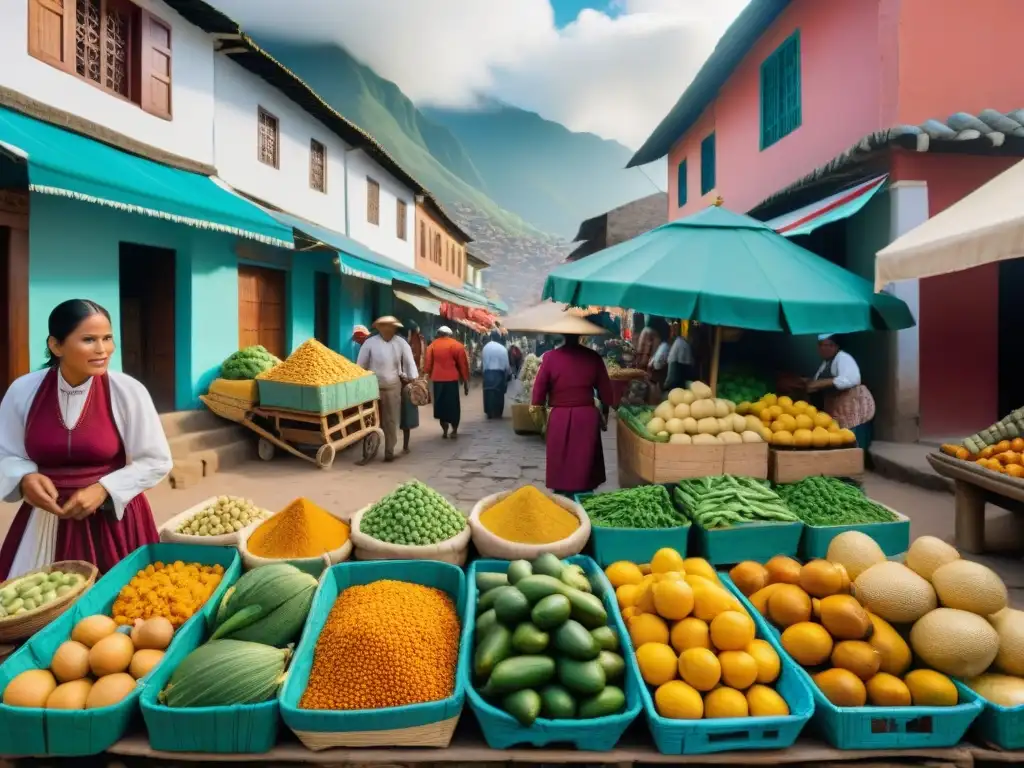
(456, 296)
(424, 304)
(354, 258)
(66, 164)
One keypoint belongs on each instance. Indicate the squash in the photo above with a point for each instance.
(266, 605)
(680, 438)
(730, 438)
(681, 411)
(754, 424)
(739, 423)
(665, 411)
(722, 408)
(701, 390)
(703, 409)
(690, 425)
(706, 439)
(677, 396)
(725, 424)
(246, 673)
(708, 426)
(675, 427)
(749, 436)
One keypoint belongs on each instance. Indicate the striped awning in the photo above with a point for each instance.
(841, 205)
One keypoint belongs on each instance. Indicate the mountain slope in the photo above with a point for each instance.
(550, 176)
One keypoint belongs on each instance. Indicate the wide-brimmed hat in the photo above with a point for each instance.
(388, 320)
(553, 318)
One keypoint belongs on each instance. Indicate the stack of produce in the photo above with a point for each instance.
(385, 644)
(647, 506)
(741, 387)
(826, 501)
(1005, 457)
(722, 501)
(528, 516)
(174, 591)
(266, 605)
(412, 515)
(247, 363)
(693, 416)
(531, 364)
(314, 365)
(1008, 428)
(694, 642)
(98, 666)
(300, 530)
(225, 515)
(35, 591)
(796, 424)
(543, 644)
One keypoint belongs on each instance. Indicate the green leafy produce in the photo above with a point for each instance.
(413, 514)
(830, 501)
(637, 418)
(742, 386)
(723, 501)
(647, 506)
(248, 363)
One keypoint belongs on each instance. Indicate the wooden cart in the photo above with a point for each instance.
(298, 432)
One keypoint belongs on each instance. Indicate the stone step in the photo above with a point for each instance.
(222, 433)
(181, 423)
(907, 463)
(190, 471)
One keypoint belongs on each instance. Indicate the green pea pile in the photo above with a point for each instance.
(830, 501)
(648, 506)
(413, 514)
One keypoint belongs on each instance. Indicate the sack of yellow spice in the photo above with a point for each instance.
(528, 522)
(303, 534)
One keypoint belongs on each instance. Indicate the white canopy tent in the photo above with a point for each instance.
(985, 227)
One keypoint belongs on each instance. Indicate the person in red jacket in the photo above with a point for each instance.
(447, 366)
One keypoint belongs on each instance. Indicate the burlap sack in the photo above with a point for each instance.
(169, 530)
(490, 545)
(453, 550)
(310, 565)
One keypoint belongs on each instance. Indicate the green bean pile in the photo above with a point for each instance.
(648, 506)
(830, 501)
(723, 501)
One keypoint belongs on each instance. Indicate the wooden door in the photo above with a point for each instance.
(261, 308)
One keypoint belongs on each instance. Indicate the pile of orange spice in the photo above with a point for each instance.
(302, 529)
(385, 644)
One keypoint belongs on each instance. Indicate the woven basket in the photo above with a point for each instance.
(453, 550)
(490, 545)
(169, 530)
(15, 628)
(311, 565)
(438, 735)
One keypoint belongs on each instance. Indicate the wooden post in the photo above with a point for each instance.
(716, 353)
(969, 503)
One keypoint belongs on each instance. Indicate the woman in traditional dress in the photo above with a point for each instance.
(839, 389)
(566, 383)
(447, 366)
(79, 446)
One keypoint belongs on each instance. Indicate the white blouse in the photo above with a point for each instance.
(843, 370)
(149, 455)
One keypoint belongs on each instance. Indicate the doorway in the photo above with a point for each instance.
(1011, 365)
(147, 336)
(322, 308)
(261, 309)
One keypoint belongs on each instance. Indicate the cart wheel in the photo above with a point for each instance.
(325, 456)
(266, 449)
(371, 445)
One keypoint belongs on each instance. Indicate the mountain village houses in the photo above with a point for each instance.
(154, 159)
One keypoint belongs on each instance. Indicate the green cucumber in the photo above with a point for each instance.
(484, 623)
(485, 582)
(572, 639)
(548, 565)
(587, 609)
(539, 586)
(609, 701)
(551, 611)
(613, 664)
(606, 637)
(519, 569)
(495, 647)
(486, 601)
(521, 672)
(523, 705)
(556, 703)
(512, 607)
(584, 678)
(528, 639)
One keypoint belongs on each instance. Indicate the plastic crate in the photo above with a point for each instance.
(747, 541)
(31, 731)
(893, 538)
(998, 725)
(636, 545)
(501, 730)
(321, 400)
(877, 727)
(430, 573)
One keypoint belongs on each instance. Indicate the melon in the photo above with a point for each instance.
(929, 553)
(677, 396)
(703, 409)
(730, 438)
(690, 425)
(681, 411)
(969, 586)
(665, 411)
(1004, 690)
(680, 438)
(656, 425)
(894, 592)
(855, 551)
(1009, 625)
(956, 643)
(701, 390)
(722, 408)
(752, 437)
(675, 426)
(739, 423)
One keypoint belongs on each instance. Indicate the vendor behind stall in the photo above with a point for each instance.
(838, 389)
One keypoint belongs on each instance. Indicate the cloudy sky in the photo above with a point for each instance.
(612, 67)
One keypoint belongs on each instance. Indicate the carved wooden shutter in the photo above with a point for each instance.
(155, 66)
(51, 32)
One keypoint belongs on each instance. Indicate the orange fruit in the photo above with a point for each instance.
(700, 668)
(739, 670)
(657, 662)
(732, 631)
(690, 633)
(647, 628)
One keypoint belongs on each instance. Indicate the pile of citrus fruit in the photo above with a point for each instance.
(796, 424)
(694, 642)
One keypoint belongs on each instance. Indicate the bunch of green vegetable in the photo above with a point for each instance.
(830, 501)
(742, 386)
(723, 501)
(543, 644)
(647, 506)
(413, 514)
(247, 363)
(636, 418)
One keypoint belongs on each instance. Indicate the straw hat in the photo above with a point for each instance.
(553, 318)
(387, 320)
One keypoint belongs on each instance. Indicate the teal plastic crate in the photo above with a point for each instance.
(747, 541)
(998, 725)
(501, 730)
(876, 727)
(321, 400)
(893, 538)
(337, 579)
(66, 733)
(636, 545)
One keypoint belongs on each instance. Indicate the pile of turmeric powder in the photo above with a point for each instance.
(385, 644)
(314, 365)
(302, 529)
(527, 516)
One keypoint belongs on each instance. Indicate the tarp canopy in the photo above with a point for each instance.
(455, 296)
(729, 270)
(426, 304)
(68, 165)
(985, 227)
(841, 205)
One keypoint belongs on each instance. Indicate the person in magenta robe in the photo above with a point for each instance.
(79, 446)
(566, 382)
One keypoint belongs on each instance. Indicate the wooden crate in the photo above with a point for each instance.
(747, 460)
(644, 461)
(792, 466)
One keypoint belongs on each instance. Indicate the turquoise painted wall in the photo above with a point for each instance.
(355, 308)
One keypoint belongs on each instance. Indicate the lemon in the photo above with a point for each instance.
(690, 633)
(768, 662)
(739, 670)
(929, 688)
(665, 560)
(673, 599)
(725, 702)
(678, 701)
(700, 668)
(763, 701)
(623, 572)
(627, 594)
(785, 402)
(657, 662)
(647, 628)
(698, 566)
(732, 631)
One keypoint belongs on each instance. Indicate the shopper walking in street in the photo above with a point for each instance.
(79, 447)
(447, 365)
(410, 412)
(389, 357)
(837, 388)
(496, 375)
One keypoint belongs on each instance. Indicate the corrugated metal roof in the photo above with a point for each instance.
(737, 41)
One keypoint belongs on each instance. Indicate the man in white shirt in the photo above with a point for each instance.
(389, 357)
(496, 372)
(680, 361)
